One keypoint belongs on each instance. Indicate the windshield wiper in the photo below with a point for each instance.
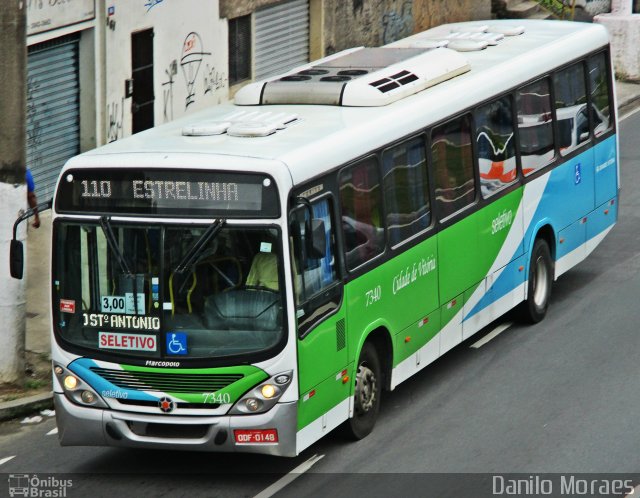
(191, 258)
(105, 223)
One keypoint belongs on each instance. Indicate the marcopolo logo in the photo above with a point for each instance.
(36, 486)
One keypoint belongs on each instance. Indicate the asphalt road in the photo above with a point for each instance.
(559, 397)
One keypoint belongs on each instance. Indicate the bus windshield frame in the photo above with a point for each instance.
(207, 294)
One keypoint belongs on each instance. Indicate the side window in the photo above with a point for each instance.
(535, 126)
(600, 108)
(452, 156)
(360, 199)
(312, 275)
(406, 190)
(571, 102)
(495, 144)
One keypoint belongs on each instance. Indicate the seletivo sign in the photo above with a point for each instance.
(45, 15)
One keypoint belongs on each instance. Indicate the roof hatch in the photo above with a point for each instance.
(359, 77)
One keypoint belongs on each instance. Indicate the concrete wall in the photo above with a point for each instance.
(349, 23)
(190, 58)
(624, 30)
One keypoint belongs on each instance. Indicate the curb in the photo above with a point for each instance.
(25, 406)
(629, 105)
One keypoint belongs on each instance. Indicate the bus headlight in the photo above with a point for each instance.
(76, 390)
(264, 396)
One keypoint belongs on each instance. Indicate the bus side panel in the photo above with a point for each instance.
(486, 241)
(571, 191)
(399, 293)
(460, 258)
(501, 241)
(501, 232)
(322, 357)
(606, 182)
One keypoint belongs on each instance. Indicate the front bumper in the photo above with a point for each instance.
(82, 426)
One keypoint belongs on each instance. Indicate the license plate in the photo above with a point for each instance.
(256, 436)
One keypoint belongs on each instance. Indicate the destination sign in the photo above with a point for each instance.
(163, 192)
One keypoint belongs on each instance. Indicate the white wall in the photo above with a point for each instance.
(189, 56)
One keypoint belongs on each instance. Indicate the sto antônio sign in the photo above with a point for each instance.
(45, 15)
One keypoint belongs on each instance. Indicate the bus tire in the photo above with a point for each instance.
(368, 388)
(534, 308)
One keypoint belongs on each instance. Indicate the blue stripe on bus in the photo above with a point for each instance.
(569, 196)
(82, 368)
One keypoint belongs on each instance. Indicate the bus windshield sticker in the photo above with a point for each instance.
(122, 304)
(265, 246)
(67, 306)
(176, 343)
(112, 304)
(130, 308)
(134, 342)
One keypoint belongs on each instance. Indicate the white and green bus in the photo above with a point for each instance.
(253, 276)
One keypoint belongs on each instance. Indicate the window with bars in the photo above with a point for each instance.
(239, 49)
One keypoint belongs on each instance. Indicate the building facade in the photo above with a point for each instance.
(100, 70)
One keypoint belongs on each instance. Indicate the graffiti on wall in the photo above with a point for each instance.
(167, 91)
(192, 57)
(150, 4)
(213, 79)
(115, 112)
(397, 26)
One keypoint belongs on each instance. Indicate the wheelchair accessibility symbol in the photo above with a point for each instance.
(176, 343)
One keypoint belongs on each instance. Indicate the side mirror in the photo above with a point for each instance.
(16, 251)
(317, 240)
(16, 259)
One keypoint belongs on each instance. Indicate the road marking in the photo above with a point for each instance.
(290, 477)
(491, 335)
(5, 460)
(628, 114)
(52, 431)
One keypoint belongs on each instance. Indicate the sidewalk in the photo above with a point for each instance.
(38, 297)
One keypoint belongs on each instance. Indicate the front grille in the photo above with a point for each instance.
(172, 431)
(167, 382)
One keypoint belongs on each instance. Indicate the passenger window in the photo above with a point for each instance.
(600, 108)
(452, 156)
(360, 199)
(571, 104)
(406, 190)
(496, 146)
(535, 126)
(313, 275)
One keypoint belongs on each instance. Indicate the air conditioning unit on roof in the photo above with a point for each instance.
(362, 77)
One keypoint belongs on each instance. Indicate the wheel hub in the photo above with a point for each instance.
(365, 389)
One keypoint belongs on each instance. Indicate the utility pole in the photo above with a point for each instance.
(13, 191)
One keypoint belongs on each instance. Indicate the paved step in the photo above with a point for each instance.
(523, 10)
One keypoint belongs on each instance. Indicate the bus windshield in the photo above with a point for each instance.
(178, 292)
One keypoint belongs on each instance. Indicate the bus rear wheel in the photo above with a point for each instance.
(534, 308)
(367, 393)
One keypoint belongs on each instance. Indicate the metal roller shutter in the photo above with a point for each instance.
(53, 110)
(281, 37)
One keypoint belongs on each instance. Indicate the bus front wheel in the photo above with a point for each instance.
(368, 389)
(534, 308)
